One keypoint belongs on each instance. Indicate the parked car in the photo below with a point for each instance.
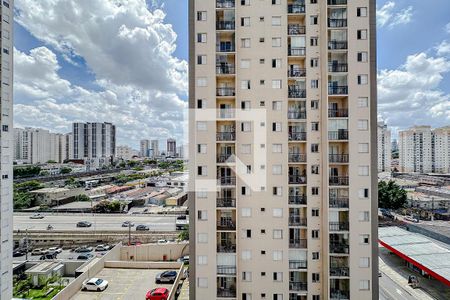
(38, 251)
(162, 242)
(102, 248)
(85, 256)
(84, 224)
(182, 217)
(36, 216)
(142, 228)
(94, 284)
(157, 294)
(127, 224)
(166, 276)
(17, 253)
(49, 255)
(184, 259)
(54, 249)
(84, 249)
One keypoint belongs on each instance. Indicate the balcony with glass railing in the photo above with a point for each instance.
(338, 135)
(337, 44)
(226, 242)
(296, 51)
(338, 113)
(226, 270)
(297, 220)
(225, 3)
(226, 224)
(297, 199)
(296, 7)
(339, 289)
(226, 136)
(337, 2)
(296, 29)
(337, 22)
(337, 67)
(298, 243)
(298, 286)
(297, 135)
(296, 91)
(225, 69)
(225, 91)
(338, 158)
(226, 287)
(339, 243)
(338, 180)
(338, 202)
(298, 264)
(296, 72)
(297, 157)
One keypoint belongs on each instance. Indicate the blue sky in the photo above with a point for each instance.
(128, 64)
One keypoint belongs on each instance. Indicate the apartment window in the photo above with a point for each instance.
(363, 102)
(262, 82)
(245, 84)
(315, 169)
(245, 190)
(315, 212)
(363, 193)
(201, 15)
(315, 191)
(276, 42)
(362, 34)
(246, 148)
(262, 61)
(5, 128)
(245, 63)
(6, 50)
(314, 20)
(5, 34)
(363, 79)
(315, 126)
(202, 238)
(364, 285)
(202, 215)
(201, 103)
(245, 105)
(364, 262)
(314, 41)
(201, 37)
(363, 124)
(276, 2)
(277, 234)
(363, 170)
(245, 43)
(277, 191)
(314, 62)
(276, 105)
(263, 209)
(315, 256)
(313, 1)
(362, 56)
(316, 297)
(276, 84)
(245, 2)
(202, 282)
(249, 169)
(245, 21)
(277, 255)
(202, 194)
(276, 170)
(246, 276)
(276, 21)
(6, 18)
(315, 148)
(202, 82)
(201, 148)
(246, 126)
(361, 12)
(277, 296)
(201, 126)
(314, 104)
(202, 260)
(246, 212)
(5, 176)
(261, 19)
(315, 277)
(363, 216)
(277, 148)
(246, 254)
(314, 83)
(277, 212)
(276, 63)
(315, 234)
(276, 126)
(201, 59)
(246, 233)
(277, 276)
(363, 148)
(364, 239)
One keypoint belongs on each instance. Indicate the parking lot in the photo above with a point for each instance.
(124, 284)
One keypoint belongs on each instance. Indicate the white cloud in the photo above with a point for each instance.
(447, 27)
(443, 48)
(411, 95)
(389, 17)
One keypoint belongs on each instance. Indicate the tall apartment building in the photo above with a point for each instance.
(282, 129)
(384, 147)
(125, 152)
(95, 143)
(154, 148)
(441, 150)
(171, 149)
(145, 148)
(6, 150)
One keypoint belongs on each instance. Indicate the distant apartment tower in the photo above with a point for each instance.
(95, 143)
(441, 149)
(415, 149)
(125, 152)
(145, 148)
(295, 83)
(384, 147)
(394, 145)
(171, 149)
(154, 148)
(7, 149)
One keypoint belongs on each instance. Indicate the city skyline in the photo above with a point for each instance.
(84, 89)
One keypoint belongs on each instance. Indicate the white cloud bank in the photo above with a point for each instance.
(388, 16)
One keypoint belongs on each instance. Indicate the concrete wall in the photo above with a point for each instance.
(142, 265)
(428, 233)
(154, 252)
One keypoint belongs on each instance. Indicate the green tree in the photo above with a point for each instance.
(24, 172)
(82, 197)
(65, 170)
(391, 195)
(51, 162)
(184, 235)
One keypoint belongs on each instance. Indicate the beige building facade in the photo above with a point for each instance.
(384, 147)
(283, 155)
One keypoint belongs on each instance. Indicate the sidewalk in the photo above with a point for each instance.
(184, 295)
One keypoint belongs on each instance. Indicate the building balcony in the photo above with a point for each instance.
(297, 199)
(296, 51)
(338, 90)
(225, 158)
(338, 180)
(226, 248)
(297, 157)
(339, 135)
(340, 271)
(298, 286)
(297, 72)
(226, 270)
(339, 295)
(338, 113)
(295, 220)
(225, 91)
(296, 115)
(225, 25)
(298, 244)
(224, 181)
(225, 3)
(296, 92)
(338, 202)
(226, 224)
(337, 67)
(338, 158)
(297, 136)
(296, 29)
(337, 45)
(339, 226)
(296, 8)
(226, 113)
(226, 202)
(297, 179)
(226, 47)
(226, 136)
(337, 2)
(339, 248)
(298, 264)
(225, 69)
(226, 292)
(337, 23)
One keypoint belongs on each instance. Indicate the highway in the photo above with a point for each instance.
(67, 222)
(391, 290)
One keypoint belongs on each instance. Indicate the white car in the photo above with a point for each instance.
(95, 284)
(36, 216)
(55, 249)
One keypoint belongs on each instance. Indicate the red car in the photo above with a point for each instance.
(157, 294)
